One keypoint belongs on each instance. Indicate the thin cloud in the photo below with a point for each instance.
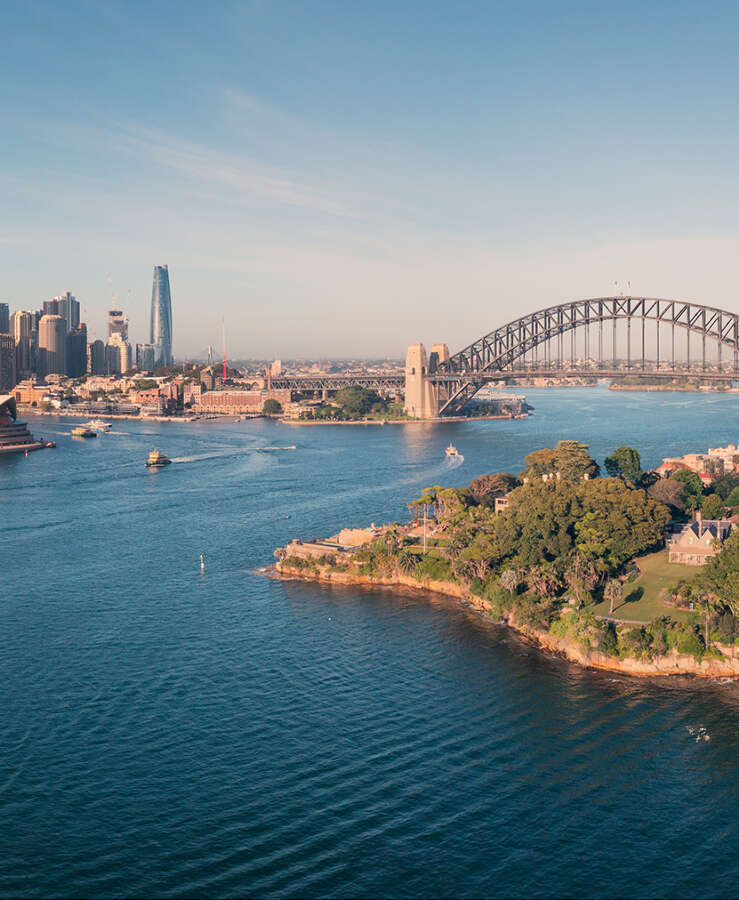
(236, 173)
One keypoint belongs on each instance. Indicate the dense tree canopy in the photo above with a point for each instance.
(625, 462)
(720, 575)
(569, 458)
(670, 492)
(693, 490)
(713, 507)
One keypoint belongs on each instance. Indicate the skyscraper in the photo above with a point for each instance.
(21, 324)
(68, 308)
(7, 362)
(77, 351)
(160, 333)
(96, 358)
(52, 345)
(117, 324)
(4, 318)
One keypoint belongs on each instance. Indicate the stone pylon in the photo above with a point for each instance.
(421, 396)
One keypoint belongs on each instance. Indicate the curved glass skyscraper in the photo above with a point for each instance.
(160, 333)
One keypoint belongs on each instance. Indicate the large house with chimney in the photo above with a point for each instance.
(698, 541)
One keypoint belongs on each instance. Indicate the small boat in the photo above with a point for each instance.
(156, 460)
(451, 451)
(83, 431)
(98, 425)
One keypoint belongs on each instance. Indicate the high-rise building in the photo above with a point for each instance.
(51, 307)
(112, 359)
(96, 358)
(118, 355)
(77, 351)
(68, 308)
(145, 357)
(117, 324)
(4, 318)
(160, 332)
(21, 327)
(52, 345)
(7, 363)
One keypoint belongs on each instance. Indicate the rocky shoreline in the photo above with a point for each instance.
(672, 663)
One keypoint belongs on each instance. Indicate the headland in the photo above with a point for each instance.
(573, 562)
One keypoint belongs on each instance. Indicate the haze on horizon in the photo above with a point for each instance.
(343, 179)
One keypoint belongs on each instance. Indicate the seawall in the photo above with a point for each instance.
(672, 663)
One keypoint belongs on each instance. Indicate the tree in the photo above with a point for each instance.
(625, 463)
(486, 488)
(733, 499)
(271, 407)
(720, 575)
(510, 580)
(569, 459)
(357, 401)
(613, 592)
(669, 492)
(713, 507)
(693, 489)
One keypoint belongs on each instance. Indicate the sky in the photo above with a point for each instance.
(343, 179)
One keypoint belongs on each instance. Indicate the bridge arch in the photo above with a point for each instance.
(459, 378)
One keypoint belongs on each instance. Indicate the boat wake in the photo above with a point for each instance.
(454, 462)
(224, 453)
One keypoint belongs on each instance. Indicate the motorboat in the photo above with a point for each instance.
(451, 451)
(83, 431)
(156, 460)
(98, 425)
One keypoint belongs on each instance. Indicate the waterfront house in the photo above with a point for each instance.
(695, 543)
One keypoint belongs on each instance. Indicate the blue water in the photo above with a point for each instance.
(167, 732)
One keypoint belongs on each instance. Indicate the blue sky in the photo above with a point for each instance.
(345, 178)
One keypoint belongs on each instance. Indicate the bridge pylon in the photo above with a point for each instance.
(421, 394)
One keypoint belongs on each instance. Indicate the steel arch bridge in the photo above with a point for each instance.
(535, 344)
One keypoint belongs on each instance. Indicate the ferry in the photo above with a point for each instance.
(156, 460)
(98, 425)
(451, 451)
(83, 431)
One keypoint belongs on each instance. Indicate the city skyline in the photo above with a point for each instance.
(338, 168)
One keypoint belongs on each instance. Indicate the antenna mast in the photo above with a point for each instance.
(223, 335)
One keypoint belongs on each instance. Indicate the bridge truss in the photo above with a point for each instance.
(536, 344)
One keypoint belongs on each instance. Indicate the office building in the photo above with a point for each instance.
(160, 332)
(117, 324)
(4, 318)
(50, 308)
(21, 327)
(7, 363)
(118, 355)
(52, 345)
(69, 309)
(96, 358)
(77, 352)
(145, 357)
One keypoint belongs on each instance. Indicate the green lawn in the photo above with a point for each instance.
(642, 597)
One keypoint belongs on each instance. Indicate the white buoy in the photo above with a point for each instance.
(202, 563)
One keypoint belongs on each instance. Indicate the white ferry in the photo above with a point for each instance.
(451, 451)
(98, 425)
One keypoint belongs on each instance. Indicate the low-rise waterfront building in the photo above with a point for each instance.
(695, 543)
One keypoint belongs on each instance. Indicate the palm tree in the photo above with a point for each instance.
(613, 592)
(510, 580)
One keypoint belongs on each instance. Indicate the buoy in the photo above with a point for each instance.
(202, 563)
(26, 452)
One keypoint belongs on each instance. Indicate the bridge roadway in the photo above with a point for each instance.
(330, 382)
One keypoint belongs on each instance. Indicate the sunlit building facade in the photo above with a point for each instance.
(160, 333)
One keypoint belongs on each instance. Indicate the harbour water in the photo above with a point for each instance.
(171, 732)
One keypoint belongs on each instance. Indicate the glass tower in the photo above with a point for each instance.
(160, 334)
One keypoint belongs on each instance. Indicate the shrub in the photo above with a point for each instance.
(435, 569)
(608, 640)
(691, 643)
